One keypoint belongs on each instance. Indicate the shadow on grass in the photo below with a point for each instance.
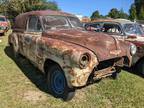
(34, 75)
(133, 70)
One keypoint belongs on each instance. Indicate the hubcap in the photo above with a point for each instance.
(58, 82)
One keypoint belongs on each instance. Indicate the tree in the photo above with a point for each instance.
(95, 15)
(114, 13)
(141, 16)
(123, 15)
(132, 12)
(12, 8)
(140, 9)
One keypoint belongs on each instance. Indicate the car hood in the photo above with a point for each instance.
(104, 46)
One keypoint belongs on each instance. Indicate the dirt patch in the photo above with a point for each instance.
(34, 96)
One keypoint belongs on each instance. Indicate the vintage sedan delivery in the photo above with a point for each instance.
(68, 55)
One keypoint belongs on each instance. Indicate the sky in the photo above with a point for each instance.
(86, 7)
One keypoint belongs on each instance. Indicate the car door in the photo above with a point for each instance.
(32, 34)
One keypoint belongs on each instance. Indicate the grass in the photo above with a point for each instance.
(22, 86)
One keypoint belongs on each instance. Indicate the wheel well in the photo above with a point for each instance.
(48, 63)
(141, 59)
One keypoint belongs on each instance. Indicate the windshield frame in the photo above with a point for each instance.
(73, 26)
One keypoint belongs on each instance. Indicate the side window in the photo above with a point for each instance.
(34, 24)
(96, 25)
(112, 28)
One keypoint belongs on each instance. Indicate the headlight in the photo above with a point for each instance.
(133, 49)
(84, 60)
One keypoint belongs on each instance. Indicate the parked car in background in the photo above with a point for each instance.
(68, 55)
(4, 24)
(123, 30)
(141, 22)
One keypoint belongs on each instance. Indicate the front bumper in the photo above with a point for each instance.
(79, 78)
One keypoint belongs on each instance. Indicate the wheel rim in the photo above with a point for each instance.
(58, 82)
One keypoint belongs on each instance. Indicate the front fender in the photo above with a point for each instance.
(65, 54)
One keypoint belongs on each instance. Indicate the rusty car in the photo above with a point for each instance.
(125, 30)
(69, 56)
(3, 24)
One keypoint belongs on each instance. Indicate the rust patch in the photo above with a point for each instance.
(66, 46)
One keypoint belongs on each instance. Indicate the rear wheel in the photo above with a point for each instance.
(57, 84)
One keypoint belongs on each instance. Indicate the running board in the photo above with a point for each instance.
(103, 73)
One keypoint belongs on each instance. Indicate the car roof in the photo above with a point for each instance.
(46, 12)
(121, 21)
(22, 18)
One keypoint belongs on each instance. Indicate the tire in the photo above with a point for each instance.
(57, 84)
(116, 74)
(140, 67)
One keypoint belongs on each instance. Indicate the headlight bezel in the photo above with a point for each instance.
(2, 27)
(133, 49)
(84, 60)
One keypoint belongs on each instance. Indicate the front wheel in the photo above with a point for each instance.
(57, 84)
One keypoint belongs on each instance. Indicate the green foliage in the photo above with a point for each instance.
(123, 15)
(115, 13)
(95, 15)
(12, 8)
(141, 16)
(132, 12)
(140, 9)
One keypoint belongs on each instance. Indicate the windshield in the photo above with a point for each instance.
(2, 19)
(57, 22)
(133, 29)
(75, 22)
